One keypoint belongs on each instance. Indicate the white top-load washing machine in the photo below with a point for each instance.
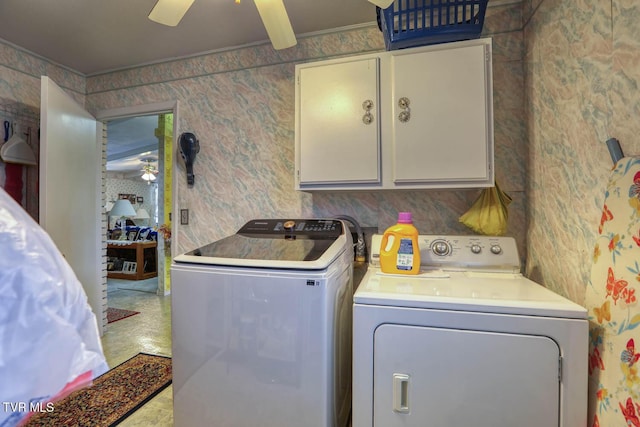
(261, 327)
(468, 342)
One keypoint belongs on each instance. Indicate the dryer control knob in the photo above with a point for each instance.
(476, 249)
(496, 249)
(440, 247)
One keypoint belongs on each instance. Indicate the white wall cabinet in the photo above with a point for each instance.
(407, 119)
(340, 141)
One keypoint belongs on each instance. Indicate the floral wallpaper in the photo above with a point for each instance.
(566, 78)
(240, 104)
(581, 88)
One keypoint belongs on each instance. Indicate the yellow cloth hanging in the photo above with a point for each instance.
(489, 214)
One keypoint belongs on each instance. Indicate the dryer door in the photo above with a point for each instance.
(449, 377)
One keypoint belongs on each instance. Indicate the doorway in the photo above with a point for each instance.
(155, 196)
(134, 176)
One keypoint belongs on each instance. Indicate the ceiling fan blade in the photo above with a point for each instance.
(276, 22)
(170, 12)
(382, 4)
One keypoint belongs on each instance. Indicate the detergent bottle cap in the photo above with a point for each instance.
(404, 218)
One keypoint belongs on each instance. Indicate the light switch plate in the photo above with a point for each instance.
(184, 216)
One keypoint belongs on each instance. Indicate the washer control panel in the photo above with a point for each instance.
(462, 252)
(321, 228)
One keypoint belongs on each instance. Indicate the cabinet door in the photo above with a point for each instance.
(447, 377)
(336, 144)
(448, 136)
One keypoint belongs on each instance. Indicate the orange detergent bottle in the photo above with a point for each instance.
(399, 251)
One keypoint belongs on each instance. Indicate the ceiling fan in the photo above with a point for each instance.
(272, 12)
(150, 171)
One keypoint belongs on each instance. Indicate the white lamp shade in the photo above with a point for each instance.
(383, 4)
(148, 176)
(142, 214)
(122, 207)
(276, 22)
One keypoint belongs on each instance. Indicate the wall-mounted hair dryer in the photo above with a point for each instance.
(189, 147)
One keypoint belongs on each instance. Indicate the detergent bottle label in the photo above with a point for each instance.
(405, 255)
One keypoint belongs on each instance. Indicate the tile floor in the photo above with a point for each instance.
(147, 332)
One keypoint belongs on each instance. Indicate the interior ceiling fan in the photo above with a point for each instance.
(272, 12)
(149, 170)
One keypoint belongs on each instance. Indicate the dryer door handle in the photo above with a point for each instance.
(401, 393)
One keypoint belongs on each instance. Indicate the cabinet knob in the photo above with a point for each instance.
(367, 106)
(405, 114)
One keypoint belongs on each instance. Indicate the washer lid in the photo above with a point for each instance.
(276, 243)
(505, 293)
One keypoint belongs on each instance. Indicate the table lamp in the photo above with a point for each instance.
(142, 214)
(122, 208)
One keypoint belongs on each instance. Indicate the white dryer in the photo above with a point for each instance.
(468, 342)
(261, 327)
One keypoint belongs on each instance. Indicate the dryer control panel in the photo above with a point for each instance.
(486, 253)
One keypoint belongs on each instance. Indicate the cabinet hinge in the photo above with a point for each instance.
(560, 369)
(487, 56)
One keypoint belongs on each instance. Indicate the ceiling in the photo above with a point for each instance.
(130, 142)
(97, 36)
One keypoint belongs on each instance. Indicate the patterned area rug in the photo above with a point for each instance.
(115, 314)
(113, 396)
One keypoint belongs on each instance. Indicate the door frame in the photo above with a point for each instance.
(142, 110)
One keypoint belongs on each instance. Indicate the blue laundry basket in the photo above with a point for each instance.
(411, 23)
